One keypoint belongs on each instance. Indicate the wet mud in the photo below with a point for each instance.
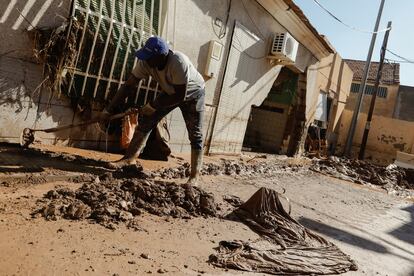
(111, 202)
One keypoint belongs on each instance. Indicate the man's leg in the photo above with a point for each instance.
(193, 112)
(141, 134)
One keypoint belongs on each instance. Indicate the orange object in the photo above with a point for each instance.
(129, 123)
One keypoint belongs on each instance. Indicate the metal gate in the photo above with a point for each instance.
(110, 32)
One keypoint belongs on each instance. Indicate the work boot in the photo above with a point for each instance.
(135, 147)
(196, 165)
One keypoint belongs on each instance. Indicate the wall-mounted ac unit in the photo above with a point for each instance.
(284, 48)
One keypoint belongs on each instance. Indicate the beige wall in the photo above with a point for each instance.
(386, 137)
(333, 76)
(383, 106)
(189, 27)
(194, 28)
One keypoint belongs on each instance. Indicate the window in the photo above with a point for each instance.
(369, 90)
(110, 33)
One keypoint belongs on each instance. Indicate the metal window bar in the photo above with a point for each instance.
(92, 48)
(80, 44)
(108, 84)
(159, 17)
(369, 90)
(108, 37)
(130, 41)
(151, 17)
(140, 41)
(95, 75)
(138, 91)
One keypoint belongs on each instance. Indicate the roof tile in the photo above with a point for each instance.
(390, 71)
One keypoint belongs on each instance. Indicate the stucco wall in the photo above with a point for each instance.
(386, 137)
(201, 16)
(383, 106)
(334, 77)
(23, 101)
(190, 25)
(404, 109)
(21, 104)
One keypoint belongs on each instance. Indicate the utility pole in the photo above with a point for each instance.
(351, 132)
(374, 96)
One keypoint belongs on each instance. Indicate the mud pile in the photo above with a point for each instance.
(394, 179)
(110, 202)
(229, 167)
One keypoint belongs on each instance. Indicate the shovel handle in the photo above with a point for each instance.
(93, 121)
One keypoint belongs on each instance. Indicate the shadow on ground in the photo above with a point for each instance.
(342, 235)
(406, 232)
(14, 159)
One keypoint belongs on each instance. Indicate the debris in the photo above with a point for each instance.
(114, 201)
(145, 256)
(393, 179)
(234, 201)
(285, 246)
(232, 168)
(161, 271)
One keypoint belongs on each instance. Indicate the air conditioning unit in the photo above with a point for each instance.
(284, 48)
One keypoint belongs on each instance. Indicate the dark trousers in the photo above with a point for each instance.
(192, 110)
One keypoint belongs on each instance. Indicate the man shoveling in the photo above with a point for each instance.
(182, 86)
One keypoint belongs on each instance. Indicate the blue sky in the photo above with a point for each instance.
(362, 15)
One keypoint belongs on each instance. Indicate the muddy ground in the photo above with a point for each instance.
(375, 228)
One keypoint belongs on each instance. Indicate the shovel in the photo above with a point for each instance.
(27, 135)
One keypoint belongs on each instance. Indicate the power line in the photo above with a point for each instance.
(398, 61)
(251, 19)
(345, 24)
(406, 60)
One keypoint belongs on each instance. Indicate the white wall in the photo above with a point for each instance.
(194, 28)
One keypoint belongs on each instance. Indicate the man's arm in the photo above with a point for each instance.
(123, 92)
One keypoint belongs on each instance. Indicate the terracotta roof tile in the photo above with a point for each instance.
(390, 72)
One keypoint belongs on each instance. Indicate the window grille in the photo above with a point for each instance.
(369, 90)
(112, 31)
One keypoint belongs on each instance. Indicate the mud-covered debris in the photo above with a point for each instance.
(145, 256)
(234, 201)
(232, 168)
(112, 201)
(394, 179)
(285, 247)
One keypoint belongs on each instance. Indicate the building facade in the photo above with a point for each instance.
(229, 42)
(392, 127)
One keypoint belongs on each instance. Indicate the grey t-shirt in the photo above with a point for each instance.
(178, 70)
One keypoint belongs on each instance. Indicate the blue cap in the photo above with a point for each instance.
(153, 46)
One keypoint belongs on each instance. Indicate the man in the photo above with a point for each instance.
(182, 86)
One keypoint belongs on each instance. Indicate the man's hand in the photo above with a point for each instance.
(147, 110)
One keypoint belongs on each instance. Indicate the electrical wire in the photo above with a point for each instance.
(244, 51)
(223, 28)
(345, 24)
(398, 61)
(405, 60)
(251, 19)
